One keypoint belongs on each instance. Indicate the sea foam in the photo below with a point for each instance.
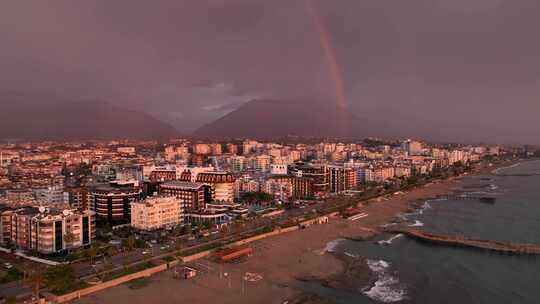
(387, 288)
(390, 240)
(332, 245)
(417, 223)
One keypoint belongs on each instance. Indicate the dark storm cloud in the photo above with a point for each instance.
(472, 64)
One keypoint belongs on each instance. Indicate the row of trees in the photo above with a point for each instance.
(58, 279)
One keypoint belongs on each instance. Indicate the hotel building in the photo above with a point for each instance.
(112, 203)
(192, 196)
(157, 213)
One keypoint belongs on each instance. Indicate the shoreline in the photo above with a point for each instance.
(285, 260)
(342, 281)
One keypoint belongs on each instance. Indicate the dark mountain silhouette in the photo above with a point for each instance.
(270, 119)
(34, 116)
(267, 119)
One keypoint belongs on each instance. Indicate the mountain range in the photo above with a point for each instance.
(35, 116)
(266, 119)
(30, 116)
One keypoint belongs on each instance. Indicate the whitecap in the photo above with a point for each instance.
(387, 288)
(377, 266)
(417, 223)
(332, 245)
(493, 187)
(355, 256)
(390, 240)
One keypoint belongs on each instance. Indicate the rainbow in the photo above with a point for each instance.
(329, 54)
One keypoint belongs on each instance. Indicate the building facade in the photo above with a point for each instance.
(112, 203)
(192, 196)
(50, 231)
(157, 213)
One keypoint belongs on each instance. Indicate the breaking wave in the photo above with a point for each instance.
(351, 255)
(390, 240)
(417, 223)
(332, 245)
(387, 288)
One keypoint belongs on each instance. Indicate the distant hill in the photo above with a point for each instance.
(32, 116)
(270, 119)
(267, 119)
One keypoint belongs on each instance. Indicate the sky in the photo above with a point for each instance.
(470, 64)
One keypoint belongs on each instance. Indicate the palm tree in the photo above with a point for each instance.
(35, 280)
(111, 251)
(92, 253)
(130, 243)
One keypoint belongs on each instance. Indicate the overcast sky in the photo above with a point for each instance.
(467, 62)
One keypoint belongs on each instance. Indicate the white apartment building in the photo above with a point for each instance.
(156, 213)
(278, 169)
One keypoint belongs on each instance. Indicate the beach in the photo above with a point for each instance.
(281, 261)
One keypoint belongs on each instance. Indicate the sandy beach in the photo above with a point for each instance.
(280, 260)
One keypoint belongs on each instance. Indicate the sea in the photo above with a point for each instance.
(408, 271)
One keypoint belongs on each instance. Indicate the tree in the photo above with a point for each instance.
(111, 251)
(129, 243)
(258, 197)
(60, 278)
(179, 244)
(35, 280)
(92, 253)
(224, 230)
(107, 267)
(207, 225)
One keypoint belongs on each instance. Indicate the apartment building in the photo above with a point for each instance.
(157, 213)
(112, 202)
(192, 196)
(48, 230)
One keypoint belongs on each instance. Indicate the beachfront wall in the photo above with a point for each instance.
(89, 290)
(277, 231)
(197, 256)
(204, 254)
